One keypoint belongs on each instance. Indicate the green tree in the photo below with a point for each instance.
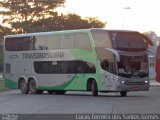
(3, 31)
(24, 16)
(21, 13)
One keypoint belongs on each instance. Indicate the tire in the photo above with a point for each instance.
(123, 93)
(33, 87)
(94, 88)
(60, 92)
(39, 91)
(50, 92)
(23, 87)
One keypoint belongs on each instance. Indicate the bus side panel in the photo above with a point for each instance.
(9, 76)
(109, 81)
(54, 82)
(11, 84)
(89, 56)
(67, 82)
(15, 70)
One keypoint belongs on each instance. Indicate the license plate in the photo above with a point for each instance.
(135, 88)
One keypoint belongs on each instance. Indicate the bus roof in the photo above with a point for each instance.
(111, 30)
(64, 31)
(46, 33)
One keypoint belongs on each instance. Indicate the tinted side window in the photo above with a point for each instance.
(82, 41)
(47, 67)
(47, 42)
(63, 67)
(67, 41)
(19, 44)
(53, 41)
(107, 65)
(55, 67)
(40, 43)
(102, 39)
(106, 59)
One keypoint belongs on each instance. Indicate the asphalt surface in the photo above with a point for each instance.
(12, 101)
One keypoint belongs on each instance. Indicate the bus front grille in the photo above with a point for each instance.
(134, 83)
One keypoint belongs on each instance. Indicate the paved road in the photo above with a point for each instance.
(13, 101)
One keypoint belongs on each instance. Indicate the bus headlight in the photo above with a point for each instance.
(146, 81)
(123, 82)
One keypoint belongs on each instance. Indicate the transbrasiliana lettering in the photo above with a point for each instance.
(43, 55)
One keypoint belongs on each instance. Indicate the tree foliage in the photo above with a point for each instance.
(20, 13)
(24, 16)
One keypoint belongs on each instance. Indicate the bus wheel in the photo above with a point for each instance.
(39, 91)
(50, 92)
(60, 92)
(123, 93)
(33, 87)
(23, 87)
(94, 88)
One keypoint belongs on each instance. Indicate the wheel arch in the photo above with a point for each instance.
(33, 78)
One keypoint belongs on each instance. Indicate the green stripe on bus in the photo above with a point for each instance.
(11, 84)
(58, 87)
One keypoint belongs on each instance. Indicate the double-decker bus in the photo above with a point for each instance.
(157, 67)
(96, 60)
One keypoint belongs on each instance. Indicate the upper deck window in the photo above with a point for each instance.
(77, 40)
(82, 41)
(19, 44)
(101, 39)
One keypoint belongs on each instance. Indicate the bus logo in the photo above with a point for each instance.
(14, 57)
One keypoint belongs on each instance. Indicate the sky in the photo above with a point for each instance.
(142, 15)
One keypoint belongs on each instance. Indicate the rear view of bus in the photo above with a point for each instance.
(157, 69)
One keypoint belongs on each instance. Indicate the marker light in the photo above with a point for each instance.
(123, 82)
(146, 81)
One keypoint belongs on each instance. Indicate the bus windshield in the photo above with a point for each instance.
(120, 40)
(132, 66)
(128, 41)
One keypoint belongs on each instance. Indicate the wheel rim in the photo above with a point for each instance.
(32, 87)
(94, 89)
(123, 93)
(23, 86)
